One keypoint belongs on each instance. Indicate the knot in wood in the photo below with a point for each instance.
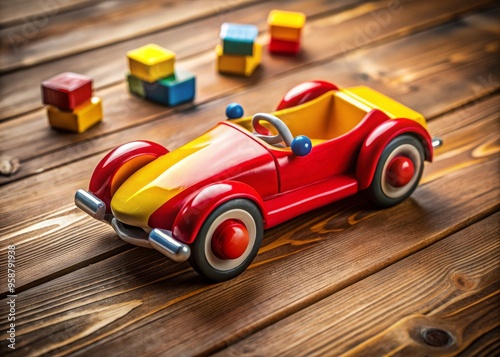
(8, 166)
(463, 282)
(436, 337)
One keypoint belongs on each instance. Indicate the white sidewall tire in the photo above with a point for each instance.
(202, 258)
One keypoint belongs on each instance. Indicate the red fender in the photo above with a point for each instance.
(305, 92)
(379, 138)
(196, 210)
(119, 164)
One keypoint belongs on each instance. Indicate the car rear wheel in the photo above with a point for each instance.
(398, 171)
(228, 240)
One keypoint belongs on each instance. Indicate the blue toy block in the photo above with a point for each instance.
(238, 39)
(156, 91)
(174, 90)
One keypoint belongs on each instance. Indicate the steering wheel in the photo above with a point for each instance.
(284, 134)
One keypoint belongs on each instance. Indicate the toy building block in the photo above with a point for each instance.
(135, 86)
(174, 90)
(241, 65)
(283, 47)
(151, 62)
(80, 119)
(238, 39)
(286, 25)
(67, 90)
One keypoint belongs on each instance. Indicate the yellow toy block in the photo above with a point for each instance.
(242, 65)
(151, 62)
(286, 25)
(80, 119)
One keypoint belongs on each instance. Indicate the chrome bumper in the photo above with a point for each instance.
(91, 205)
(159, 239)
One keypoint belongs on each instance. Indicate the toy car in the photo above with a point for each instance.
(210, 200)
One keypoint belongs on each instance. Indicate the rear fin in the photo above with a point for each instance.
(376, 100)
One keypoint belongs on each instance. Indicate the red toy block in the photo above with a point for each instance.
(283, 47)
(67, 90)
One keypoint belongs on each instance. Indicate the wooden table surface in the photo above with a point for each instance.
(421, 278)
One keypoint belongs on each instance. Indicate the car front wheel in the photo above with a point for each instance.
(398, 171)
(228, 240)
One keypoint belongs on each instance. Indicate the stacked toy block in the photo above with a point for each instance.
(238, 52)
(71, 105)
(285, 28)
(153, 76)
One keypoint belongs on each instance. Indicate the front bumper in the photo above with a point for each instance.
(159, 239)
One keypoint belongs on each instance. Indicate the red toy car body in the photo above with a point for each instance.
(210, 200)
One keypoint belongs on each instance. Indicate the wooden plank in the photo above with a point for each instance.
(107, 65)
(107, 305)
(56, 215)
(348, 70)
(452, 286)
(98, 25)
(485, 346)
(25, 11)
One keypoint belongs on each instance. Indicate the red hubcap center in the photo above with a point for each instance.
(230, 240)
(400, 171)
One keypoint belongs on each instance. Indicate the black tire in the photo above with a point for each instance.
(202, 258)
(381, 192)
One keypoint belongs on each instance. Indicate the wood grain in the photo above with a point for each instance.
(484, 346)
(353, 69)
(23, 11)
(97, 25)
(452, 286)
(19, 90)
(140, 293)
(343, 279)
(56, 214)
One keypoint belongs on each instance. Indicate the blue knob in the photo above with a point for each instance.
(234, 111)
(301, 145)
